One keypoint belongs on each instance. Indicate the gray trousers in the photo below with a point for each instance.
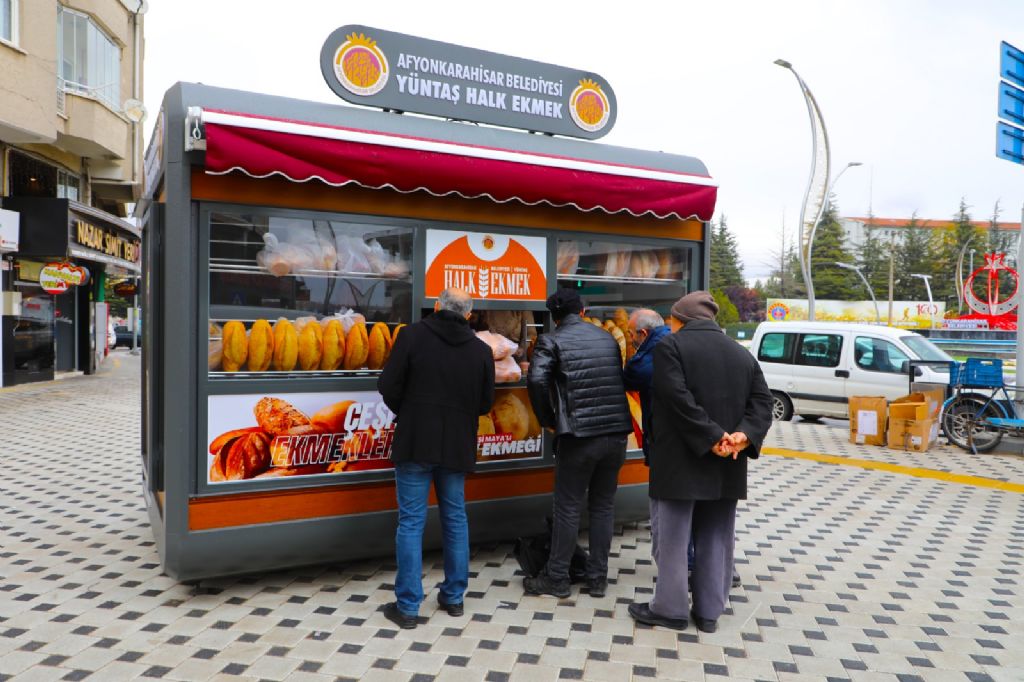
(713, 525)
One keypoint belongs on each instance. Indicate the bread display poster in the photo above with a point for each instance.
(488, 266)
(310, 434)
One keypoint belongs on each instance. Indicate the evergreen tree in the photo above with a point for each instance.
(950, 245)
(830, 281)
(727, 313)
(914, 254)
(726, 267)
(872, 257)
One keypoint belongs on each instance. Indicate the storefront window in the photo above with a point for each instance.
(616, 277)
(8, 16)
(89, 62)
(67, 186)
(30, 177)
(349, 280)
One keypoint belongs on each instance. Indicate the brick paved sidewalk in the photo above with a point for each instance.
(848, 574)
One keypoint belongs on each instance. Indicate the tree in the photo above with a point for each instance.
(914, 255)
(831, 282)
(872, 257)
(726, 267)
(950, 246)
(727, 313)
(785, 279)
(750, 304)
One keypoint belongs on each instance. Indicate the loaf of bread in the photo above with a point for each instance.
(334, 346)
(356, 347)
(286, 346)
(236, 346)
(261, 346)
(311, 340)
(378, 345)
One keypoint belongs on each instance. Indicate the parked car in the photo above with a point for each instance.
(813, 368)
(124, 337)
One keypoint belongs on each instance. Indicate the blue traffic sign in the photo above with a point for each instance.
(1011, 104)
(1010, 143)
(1011, 64)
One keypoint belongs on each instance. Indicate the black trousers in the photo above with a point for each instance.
(586, 473)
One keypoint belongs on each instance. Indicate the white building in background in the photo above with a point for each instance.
(895, 229)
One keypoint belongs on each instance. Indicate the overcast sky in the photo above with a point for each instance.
(908, 88)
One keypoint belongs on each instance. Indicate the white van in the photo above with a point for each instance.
(813, 368)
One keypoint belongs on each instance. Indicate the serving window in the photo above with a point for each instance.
(304, 295)
(616, 277)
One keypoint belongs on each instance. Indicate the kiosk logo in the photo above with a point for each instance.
(361, 66)
(497, 267)
(589, 106)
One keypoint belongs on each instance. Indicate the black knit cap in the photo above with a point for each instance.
(564, 302)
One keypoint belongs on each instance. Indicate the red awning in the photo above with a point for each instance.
(261, 147)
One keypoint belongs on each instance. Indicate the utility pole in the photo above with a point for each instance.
(892, 272)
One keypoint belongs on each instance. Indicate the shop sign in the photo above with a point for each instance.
(377, 68)
(125, 288)
(907, 314)
(56, 278)
(105, 240)
(10, 225)
(489, 266)
(344, 433)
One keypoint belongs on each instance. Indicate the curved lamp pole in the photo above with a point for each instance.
(928, 288)
(817, 183)
(847, 266)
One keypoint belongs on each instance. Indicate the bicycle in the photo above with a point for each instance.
(973, 419)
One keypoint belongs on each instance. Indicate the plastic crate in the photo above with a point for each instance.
(977, 373)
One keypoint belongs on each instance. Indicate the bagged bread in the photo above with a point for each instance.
(501, 347)
(617, 263)
(507, 370)
(236, 346)
(568, 257)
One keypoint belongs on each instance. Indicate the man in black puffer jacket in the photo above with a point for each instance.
(575, 385)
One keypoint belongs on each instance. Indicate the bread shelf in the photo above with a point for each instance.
(216, 375)
(607, 279)
(248, 267)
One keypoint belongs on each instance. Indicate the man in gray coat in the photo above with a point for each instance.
(712, 411)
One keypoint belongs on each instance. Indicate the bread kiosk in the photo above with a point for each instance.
(289, 241)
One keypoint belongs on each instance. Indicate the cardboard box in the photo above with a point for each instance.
(903, 408)
(867, 420)
(934, 397)
(916, 435)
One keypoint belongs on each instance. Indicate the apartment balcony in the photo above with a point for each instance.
(91, 129)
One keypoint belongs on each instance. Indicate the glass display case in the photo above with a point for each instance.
(616, 277)
(304, 295)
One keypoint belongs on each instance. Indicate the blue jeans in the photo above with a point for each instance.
(412, 487)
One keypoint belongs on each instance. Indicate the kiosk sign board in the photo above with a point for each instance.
(488, 266)
(307, 434)
(378, 68)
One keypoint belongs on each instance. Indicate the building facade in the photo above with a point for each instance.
(855, 230)
(70, 167)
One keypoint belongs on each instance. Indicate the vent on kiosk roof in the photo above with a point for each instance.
(302, 152)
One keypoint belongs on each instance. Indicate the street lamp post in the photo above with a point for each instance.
(928, 288)
(860, 273)
(828, 198)
(818, 188)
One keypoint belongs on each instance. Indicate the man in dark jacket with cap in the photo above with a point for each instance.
(575, 385)
(712, 411)
(438, 380)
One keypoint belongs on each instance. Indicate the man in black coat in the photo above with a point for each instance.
(438, 380)
(575, 385)
(712, 411)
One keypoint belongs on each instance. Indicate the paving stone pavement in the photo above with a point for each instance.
(848, 574)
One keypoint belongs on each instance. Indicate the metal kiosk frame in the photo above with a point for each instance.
(206, 529)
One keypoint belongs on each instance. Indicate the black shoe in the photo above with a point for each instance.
(597, 587)
(642, 613)
(704, 624)
(400, 619)
(543, 584)
(736, 580)
(453, 610)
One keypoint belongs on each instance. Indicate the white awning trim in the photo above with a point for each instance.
(421, 144)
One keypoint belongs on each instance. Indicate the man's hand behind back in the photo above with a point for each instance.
(731, 445)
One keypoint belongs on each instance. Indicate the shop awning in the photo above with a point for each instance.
(337, 155)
